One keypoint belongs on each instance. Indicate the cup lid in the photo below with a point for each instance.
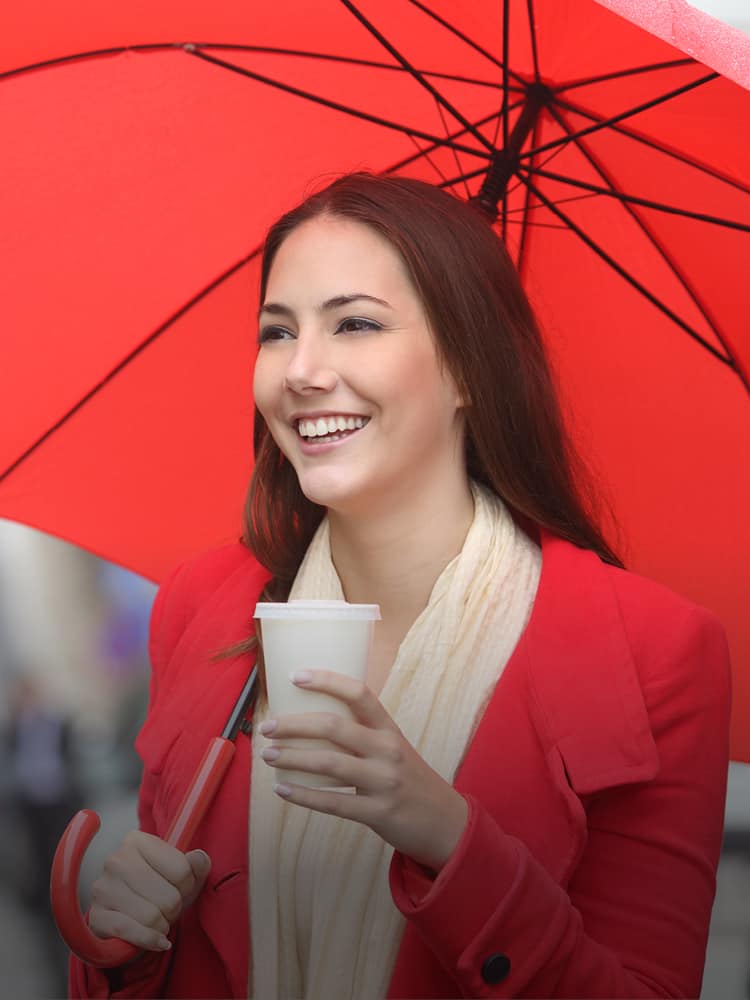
(304, 610)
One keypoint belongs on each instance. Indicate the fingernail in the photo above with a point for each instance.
(268, 726)
(301, 676)
(165, 944)
(269, 753)
(283, 790)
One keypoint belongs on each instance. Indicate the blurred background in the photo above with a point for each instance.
(74, 677)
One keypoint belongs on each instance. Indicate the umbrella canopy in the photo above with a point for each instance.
(148, 147)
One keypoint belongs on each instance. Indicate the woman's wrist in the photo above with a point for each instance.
(452, 826)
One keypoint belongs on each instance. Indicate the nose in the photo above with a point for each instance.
(310, 367)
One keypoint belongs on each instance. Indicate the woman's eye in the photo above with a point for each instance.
(354, 324)
(267, 333)
(357, 324)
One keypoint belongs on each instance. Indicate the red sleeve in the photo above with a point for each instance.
(146, 975)
(633, 921)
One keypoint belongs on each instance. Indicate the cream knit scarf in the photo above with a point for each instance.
(323, 923)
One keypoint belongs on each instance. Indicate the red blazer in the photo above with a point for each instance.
(595, 782)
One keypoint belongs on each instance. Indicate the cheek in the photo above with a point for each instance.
(262, 386)
(398, 377)
(422, 393)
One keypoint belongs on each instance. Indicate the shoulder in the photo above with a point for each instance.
(229, 574)
(648, 611)
(615, 661)
(663, 626)
(203, 571)
(680, 653)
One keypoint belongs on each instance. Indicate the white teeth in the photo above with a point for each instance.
(330, 425)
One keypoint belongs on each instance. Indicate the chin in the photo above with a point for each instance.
(338, 495)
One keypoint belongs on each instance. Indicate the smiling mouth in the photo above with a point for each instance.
(332, 438)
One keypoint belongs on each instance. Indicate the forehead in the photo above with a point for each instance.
(332, 253)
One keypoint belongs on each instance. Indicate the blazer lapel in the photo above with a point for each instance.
(567, 716)
(585, 693)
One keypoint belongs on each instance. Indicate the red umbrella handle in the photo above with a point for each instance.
(105, 953)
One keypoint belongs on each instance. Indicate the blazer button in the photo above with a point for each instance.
(495, 968)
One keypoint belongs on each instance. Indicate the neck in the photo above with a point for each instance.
(394, 558)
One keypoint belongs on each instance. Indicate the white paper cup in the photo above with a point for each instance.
(313, 635)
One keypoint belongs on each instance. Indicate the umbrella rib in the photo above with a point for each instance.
(621, 74)
(629, 277)
(469, 175)
(519, 79)
(634, 200)
(126, 361)
(504, 112)
(646, 141)
(455, 154)
(265, 49)
(426, 154)
(420, 79)
(465, 38)
(331, 57)
(75, 56)
(534, 51)
(628, 133)
(525, 216)
(520, 211)
(349, 60)
(609, 122)
(627, 201)
(481, 121)
(505, 116)
(481, 171)
(334, 105)
(446, 183)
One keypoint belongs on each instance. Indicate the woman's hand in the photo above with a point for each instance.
(145, 885)
(399, 795)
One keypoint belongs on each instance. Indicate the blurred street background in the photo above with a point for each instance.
(74, 677)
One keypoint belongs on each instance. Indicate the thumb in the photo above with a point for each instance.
(200, 863)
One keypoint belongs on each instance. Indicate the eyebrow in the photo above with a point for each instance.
(279, 309)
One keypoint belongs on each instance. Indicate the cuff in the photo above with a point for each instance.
(450, 910)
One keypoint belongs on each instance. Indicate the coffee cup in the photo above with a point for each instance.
(312, 635)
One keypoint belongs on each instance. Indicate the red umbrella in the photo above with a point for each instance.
(148, 147)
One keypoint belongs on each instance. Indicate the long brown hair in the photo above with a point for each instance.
(486, 336)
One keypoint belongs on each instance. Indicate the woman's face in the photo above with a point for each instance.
(327, 345)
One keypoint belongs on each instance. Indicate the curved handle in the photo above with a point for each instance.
(105, 953)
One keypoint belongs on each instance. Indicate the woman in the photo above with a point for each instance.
(540, 748)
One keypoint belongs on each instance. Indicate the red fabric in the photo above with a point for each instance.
(595, 783)
(134, 180)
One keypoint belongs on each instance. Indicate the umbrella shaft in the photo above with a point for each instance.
(505, 161)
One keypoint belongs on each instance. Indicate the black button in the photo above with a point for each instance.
(495, 968)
